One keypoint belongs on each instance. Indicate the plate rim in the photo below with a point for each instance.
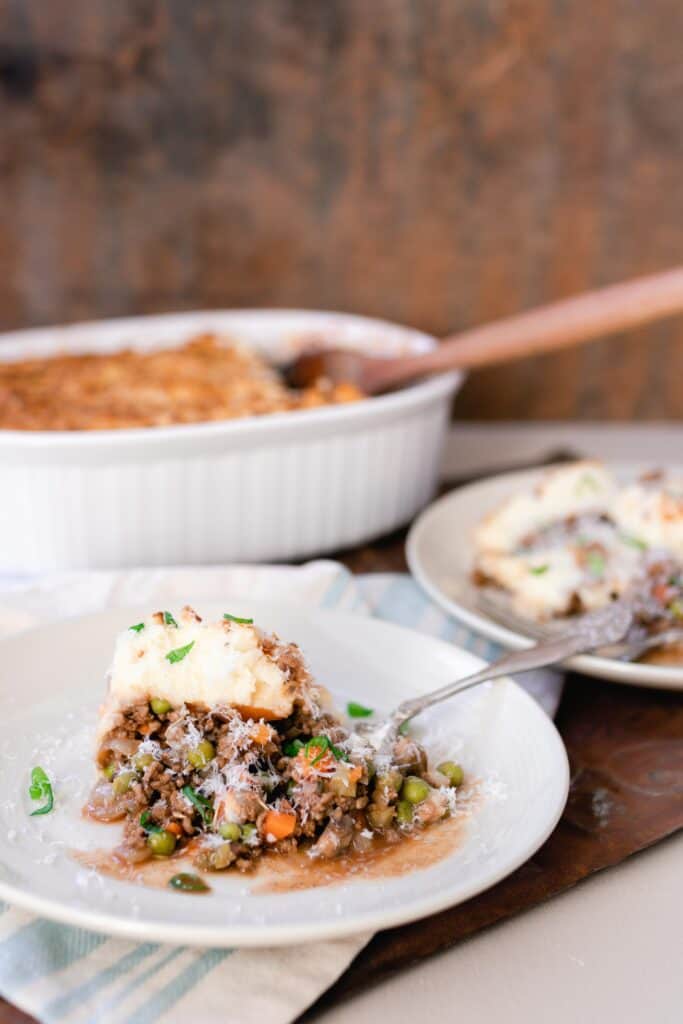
(661, 677)
(262, 936)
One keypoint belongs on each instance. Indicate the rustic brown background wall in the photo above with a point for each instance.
(438, 162)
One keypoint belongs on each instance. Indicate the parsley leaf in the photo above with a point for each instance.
(586, 484)
(179, 653)
(596, 563)
(634, 542)
(169, 620)
(292, 748)
(236, 618)
(538, 570)
(41, 789)
(137, 627)
(200, 802)
(147, 824)
(404, 727)
(354, 710)
(322, 745)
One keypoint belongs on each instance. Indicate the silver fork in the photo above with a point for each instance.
(598, 629)
(635, 642)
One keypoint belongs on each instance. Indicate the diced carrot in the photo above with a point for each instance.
(261, 733)
(279, 825)
(175, 828)
(355, 773)
(661, 592)
(247, 711)
(315, 758)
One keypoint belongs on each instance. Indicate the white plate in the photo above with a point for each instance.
(51, 684)
(440, 555)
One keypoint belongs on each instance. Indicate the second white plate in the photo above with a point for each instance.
(440, 556)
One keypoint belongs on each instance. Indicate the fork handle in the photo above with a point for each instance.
(551, 652)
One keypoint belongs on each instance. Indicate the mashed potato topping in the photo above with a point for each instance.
(577, 540)
(652, 512)
(568, 491)
(185, 660)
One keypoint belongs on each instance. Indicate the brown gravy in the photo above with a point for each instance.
(296, 871)
(155, 873)
(670, 654)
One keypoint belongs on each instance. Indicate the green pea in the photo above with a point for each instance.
(200, 755)
(341, 784)
(380, 817)
(414, 790)
(404, 812)
(142, 761)
(389, 781)
(109, 771)
(186, 882)
(162, 844)
(123, 782)
(452, 771)
(230, 831)
(222, 857)
(160, 706)
(247, 831)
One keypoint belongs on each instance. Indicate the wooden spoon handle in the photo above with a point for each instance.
(550, 328)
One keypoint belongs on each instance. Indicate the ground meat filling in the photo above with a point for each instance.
(225, 788)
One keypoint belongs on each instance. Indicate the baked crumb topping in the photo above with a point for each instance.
(207, 379)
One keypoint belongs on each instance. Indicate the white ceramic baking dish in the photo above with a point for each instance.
(277, 487)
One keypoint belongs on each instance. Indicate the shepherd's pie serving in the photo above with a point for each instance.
(578, 540)
(214, 740)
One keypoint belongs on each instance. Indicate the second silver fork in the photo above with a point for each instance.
(598, 629)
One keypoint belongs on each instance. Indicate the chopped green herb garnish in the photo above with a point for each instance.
(292, 748)
(137, 627)
(354, 710)
(169, 620)
(403, 728)
(203, 805)
(186, 882)
(147, 824)
(538, 570)
(179, 653)
(236, 618)
(41, 789)
(587, 482)
(634, 542)
(322, 745)
(595, 562)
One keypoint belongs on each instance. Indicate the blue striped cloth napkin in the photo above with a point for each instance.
(64, 974)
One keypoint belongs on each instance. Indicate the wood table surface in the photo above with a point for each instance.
(626, 753)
